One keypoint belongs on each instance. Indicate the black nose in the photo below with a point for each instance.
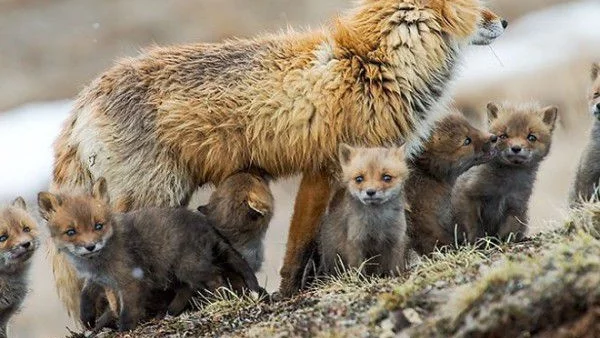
(371, 192)
(516, 149)
(493, 138)
(598, 106)
(26, 245)
(90, 248)
(504, 23)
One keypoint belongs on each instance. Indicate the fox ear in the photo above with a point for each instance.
(400, 152)
(100, 191)
(549, 115)
(492, 111)
(257, 207)
(595, 70)
(203, 209)
(259, 204)
(345, 153)
(48, 204)
(19, 202)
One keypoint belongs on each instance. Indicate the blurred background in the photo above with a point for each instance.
(50, 49)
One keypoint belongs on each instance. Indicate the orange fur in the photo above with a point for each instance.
(158, 125)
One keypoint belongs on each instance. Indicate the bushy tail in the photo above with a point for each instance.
(69, 174)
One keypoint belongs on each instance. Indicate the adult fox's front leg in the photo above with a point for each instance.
(311, 202)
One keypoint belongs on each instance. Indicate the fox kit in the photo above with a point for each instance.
(240, 209)
(365, 218)
(453, 147)
(492, 199)
(18, 242)
(138, 252)
(588, 173)
(281, 102)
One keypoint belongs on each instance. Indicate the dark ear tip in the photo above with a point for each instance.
(19, 202)
(41, 195)
(202, 209)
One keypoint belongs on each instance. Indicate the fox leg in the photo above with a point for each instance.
(183, 294)
(311, 202)
(4, 317)
(90, 295)
(513, 225)
(131, 307)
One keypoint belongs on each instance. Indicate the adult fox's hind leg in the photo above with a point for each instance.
(311, 202)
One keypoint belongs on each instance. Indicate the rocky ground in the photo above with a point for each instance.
(547, 286)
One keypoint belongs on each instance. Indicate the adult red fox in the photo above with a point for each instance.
(159, 125)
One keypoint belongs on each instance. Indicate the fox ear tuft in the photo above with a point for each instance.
(100, 191)
(492, 111)
(345, 153)
(48, 203)
(595, 70)
(19, 202)
(257, 207)
(549, 115)
(400, 152)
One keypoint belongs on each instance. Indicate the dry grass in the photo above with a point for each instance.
(546, 286)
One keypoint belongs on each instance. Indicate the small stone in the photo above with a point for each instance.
(412, 316)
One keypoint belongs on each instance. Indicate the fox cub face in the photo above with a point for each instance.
(455, 145)
(524, 133)
(18, 235)
(79, 225)
(373, 175)
(594, 94)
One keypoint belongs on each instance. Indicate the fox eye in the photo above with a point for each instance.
(596, 95)
(359, 179)
(531, 138)
(98, 226)
(386, 178)
(3, 238)
(503, 136)
(467, 141)
(26, 229)
(70, 232)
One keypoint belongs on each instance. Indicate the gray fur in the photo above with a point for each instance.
(355, 232)
(499, 195)
(151, 250)
(588, 172)
(13, 289)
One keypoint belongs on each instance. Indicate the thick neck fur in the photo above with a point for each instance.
(398, 48)
(508, 179)
(372, 221)
(13, 289)
(13, 277)
(588, 171)
(595, 135)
